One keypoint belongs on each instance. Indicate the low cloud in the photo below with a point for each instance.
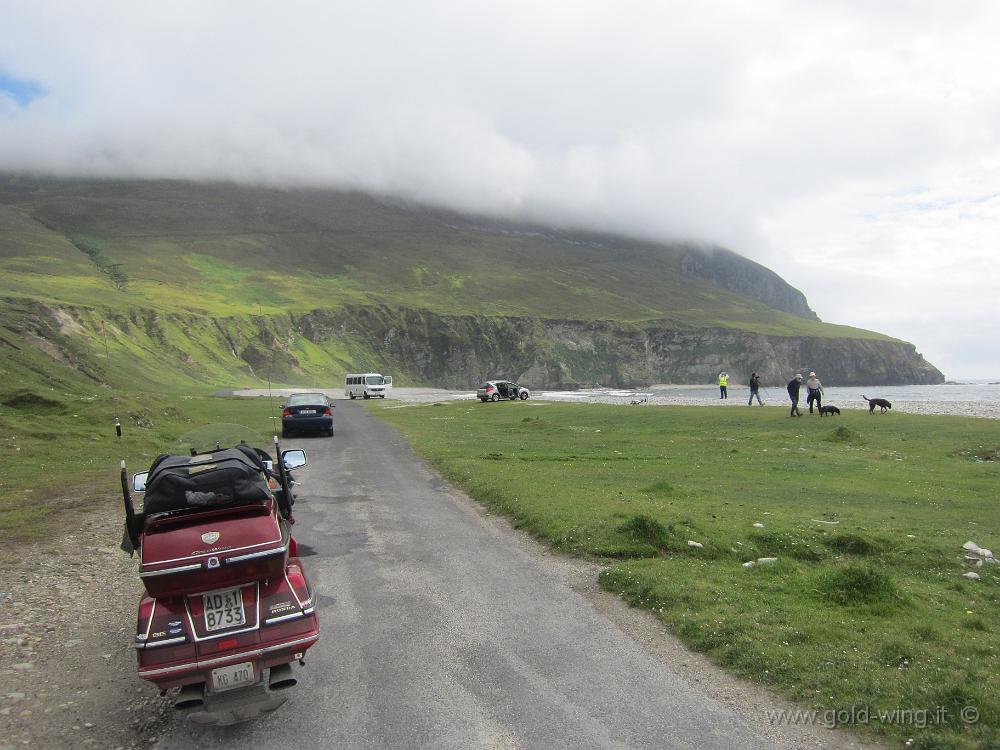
(849, 148)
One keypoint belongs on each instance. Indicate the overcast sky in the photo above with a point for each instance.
(853, 147)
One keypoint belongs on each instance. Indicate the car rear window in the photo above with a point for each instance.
(485, 386)
(299, 399)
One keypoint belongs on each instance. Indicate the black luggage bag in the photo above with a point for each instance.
(233, 476)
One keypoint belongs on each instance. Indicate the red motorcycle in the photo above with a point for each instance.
(228, 608)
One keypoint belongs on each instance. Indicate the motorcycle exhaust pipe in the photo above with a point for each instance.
(190, 696)
(281, 677)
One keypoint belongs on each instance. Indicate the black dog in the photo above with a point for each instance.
(881, 403)
(831, 410)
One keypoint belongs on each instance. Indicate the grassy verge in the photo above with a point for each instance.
(866, 609)
(58, 450)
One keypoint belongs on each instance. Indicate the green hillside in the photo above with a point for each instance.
(222, 250)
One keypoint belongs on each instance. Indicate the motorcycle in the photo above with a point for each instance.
(227, 608)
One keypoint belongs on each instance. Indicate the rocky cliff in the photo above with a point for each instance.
(417, 347)
(457, 352)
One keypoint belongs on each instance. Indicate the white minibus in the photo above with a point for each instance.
(367, 385)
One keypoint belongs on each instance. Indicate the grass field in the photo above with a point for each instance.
(866, 607)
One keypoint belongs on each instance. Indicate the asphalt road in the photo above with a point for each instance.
(440, 629)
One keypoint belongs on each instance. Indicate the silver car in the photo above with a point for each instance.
(494, 390)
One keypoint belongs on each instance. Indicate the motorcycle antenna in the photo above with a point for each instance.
(270, 396)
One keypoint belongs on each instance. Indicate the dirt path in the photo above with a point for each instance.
(67, 616)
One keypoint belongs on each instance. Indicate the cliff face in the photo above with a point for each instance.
(458, 352)
(147, 347)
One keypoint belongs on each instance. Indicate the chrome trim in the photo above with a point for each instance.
(149, 625)
(157, 644)
(284, 618)
(253, 555)
(292, 588)
(289, 644)
(168, 571)
(231, 657)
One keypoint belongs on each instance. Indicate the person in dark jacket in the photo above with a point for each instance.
(755, 389)
(793, 393)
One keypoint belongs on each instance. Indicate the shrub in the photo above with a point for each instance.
(33, 401)
(648, 530)
(857, 585)
(786, 545)
(843, 435)
(851, 544)
(659, 488)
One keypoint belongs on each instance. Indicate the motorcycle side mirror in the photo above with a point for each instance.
(293, 459)
(139, 481)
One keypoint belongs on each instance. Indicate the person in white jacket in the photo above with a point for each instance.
(814, 392)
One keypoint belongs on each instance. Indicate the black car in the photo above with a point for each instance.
(307, 412)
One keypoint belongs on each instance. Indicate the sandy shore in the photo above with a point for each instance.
(673, 395)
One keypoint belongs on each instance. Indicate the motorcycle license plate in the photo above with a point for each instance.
(223, 609)
(232, 676)
(307, 411)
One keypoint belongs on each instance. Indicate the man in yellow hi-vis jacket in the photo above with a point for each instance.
(723, 384)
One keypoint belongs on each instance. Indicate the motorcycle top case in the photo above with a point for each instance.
(226, 477)
(183, 553)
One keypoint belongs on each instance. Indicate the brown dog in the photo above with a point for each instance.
(881, 403)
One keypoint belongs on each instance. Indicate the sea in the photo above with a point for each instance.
(980, 398)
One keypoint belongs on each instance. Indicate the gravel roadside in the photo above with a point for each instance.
(67, 615)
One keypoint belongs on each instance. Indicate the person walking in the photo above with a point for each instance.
(754, 389)
(793, 393)
(724, 384)
(815, 393)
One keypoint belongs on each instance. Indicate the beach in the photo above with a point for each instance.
(962, 399)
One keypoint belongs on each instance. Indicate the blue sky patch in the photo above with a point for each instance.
(21, 91)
